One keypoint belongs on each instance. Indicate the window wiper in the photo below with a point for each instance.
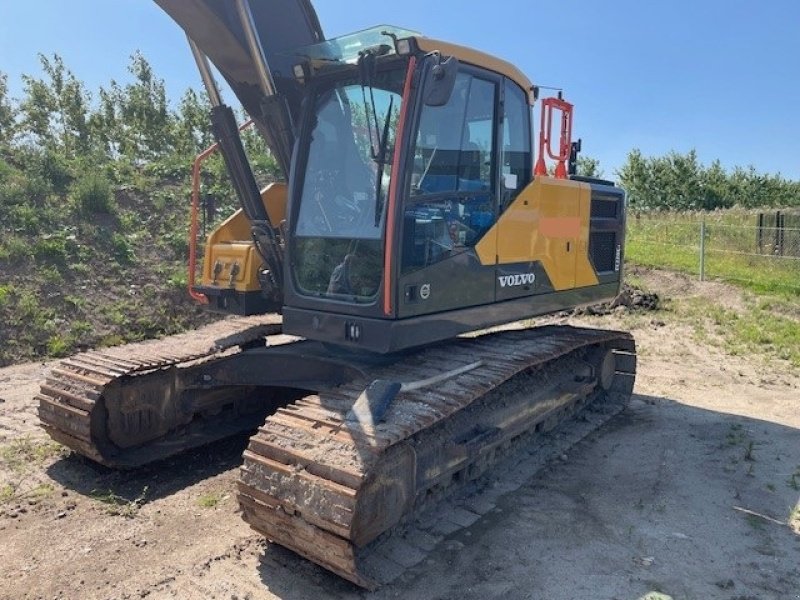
(367, 65)
(381, 160)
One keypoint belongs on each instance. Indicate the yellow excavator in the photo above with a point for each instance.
(411, 220)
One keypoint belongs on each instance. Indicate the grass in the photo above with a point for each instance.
(752, 330)
(210, 499)
(23, 454)
(119, 506)
(672, 240)
(794, 519)
(794, 480)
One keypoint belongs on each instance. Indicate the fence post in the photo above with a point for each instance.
(703, 249)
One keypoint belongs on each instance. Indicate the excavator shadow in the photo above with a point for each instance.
(153, 481)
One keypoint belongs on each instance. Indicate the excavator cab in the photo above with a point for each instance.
(412, 213)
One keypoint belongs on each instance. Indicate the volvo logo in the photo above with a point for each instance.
(515, 280)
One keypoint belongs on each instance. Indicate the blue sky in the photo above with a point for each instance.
(720, 76)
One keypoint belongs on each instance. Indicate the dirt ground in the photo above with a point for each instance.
(692, 492)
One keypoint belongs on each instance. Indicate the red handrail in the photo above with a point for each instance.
(545, 136)
(193, 227)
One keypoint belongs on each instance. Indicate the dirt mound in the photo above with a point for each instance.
(631, 298)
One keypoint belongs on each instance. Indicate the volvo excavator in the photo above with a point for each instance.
(366, 286)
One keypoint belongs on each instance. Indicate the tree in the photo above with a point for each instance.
(589, 167)
(192, 125)
(55, 109)
(7, 113)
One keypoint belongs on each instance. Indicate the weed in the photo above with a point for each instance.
(92, 195)
(755, 522)
(112, 340)
(80, 329)
(50, 275)
(58, 346)
(7, 493)
(748, 451)
(771, 487)
(210, 499)
(794, 480)
(5, 294)
(794, 519)
(14, 249)
(123, 253)
(38, 493)
(119, 506)
(24, 453)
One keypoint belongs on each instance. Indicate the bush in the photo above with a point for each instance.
(92, 194)
(54, 170)
(51, 249)
(123, 253)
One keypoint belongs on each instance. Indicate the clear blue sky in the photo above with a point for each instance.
(721, 76)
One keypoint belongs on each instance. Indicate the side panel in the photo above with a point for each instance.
(547, 223)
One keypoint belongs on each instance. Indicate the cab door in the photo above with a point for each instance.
(451, 201)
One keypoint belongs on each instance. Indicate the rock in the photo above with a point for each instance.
(61, 515)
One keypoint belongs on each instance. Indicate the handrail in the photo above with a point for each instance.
(546, 132)
(194, 226)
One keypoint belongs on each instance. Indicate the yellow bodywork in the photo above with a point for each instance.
(547, 222)
(479, 59)
(231, 260)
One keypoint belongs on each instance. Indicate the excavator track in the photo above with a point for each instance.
(334, 490)
(122, 407)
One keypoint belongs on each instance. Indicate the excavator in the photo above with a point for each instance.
(370, 291)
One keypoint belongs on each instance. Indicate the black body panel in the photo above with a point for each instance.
(385, 335)
(232, 302)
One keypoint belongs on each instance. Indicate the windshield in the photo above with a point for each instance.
(340, 222)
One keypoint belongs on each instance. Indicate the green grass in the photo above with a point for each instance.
(751, 331)
(210, 499)
(672, 241)
(117, 505)
(23, 454)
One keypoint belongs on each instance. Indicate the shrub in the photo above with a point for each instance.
(123, 253)
(53, 168)
(92, 194)
(51, 249)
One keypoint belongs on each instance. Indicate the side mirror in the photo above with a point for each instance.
(440, 81)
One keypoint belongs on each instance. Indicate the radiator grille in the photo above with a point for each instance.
(603, 249)
(604, 208)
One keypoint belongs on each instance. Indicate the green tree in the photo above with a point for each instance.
(589, 167)
(55, 108)
(192, 125)
(145, 120)
(7, 113)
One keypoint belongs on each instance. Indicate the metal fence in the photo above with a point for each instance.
(757, 249)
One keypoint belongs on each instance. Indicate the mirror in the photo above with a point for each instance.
(440, 80)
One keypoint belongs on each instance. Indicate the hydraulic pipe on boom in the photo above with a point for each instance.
(230, 145)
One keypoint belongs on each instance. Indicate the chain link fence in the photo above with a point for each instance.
(759, 250)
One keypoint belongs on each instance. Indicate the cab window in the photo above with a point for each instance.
(451, 204)
(516, 158)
